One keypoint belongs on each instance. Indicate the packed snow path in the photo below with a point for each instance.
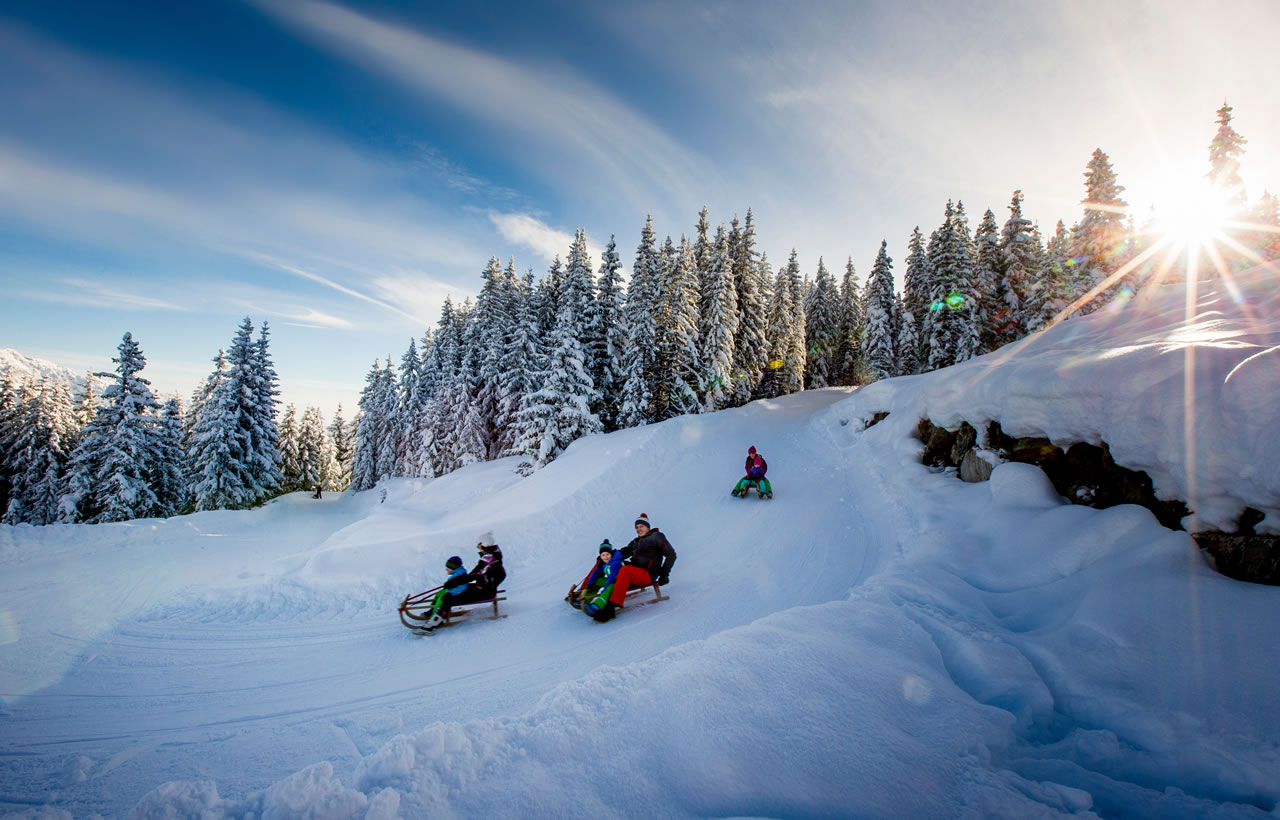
(878, 640)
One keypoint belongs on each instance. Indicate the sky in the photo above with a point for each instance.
(337, 170)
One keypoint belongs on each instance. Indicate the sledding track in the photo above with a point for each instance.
(198, 680)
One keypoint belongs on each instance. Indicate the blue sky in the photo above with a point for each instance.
(338, 169)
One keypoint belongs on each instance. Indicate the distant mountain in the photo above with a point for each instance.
(22, 368)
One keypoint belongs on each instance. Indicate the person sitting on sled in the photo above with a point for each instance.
(488, 573)
(756, 468)
(599, 581)
(649, 557)
(455, 586)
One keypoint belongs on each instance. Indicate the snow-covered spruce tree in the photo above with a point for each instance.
(492, 328)
(989, 272)
(677, 334)
(85, 402)
(1058, 277)
(405, 417)
(313, 450)
(779, 333)
(560, 412)
(611, 336)
(364, 467)
(1224, 158)
(168, 475)
(522, 365)
(640, 356)
(968, 315)
(387, 397)
(918, 282)
(822, 329)
(1021, 275)
(200, 397)
(40, 429)
(109, 477)
(288, 432)
(1098, 247)
(266, 460)
(797, 355)
(438, 436)
(849, 344)
(907, 361)
(719, 323)
(9, 405)
(878, 350)
(750, 346)
(546, 298)
(341, 435)
(471, 429)
(225, 450)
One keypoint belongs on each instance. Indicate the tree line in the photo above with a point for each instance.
(530, 366)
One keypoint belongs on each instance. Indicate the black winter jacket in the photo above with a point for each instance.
(651, 552)
(489, 572)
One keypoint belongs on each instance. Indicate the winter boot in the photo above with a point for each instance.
(433, 622)
(606, 612)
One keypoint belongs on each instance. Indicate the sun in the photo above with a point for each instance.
(1193, 216)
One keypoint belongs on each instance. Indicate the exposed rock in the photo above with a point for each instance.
(966, 436)
(974, 468)
(1245, 557)
(876, 419)
(937, 444)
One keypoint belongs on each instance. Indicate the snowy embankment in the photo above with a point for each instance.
(878, 640)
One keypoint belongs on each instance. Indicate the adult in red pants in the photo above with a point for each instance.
(649, 557)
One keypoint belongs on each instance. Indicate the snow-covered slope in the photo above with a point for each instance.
(20, 368)
(878, 640)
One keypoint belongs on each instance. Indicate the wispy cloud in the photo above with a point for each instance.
(311, 318)
(571, 131)
(84, 293)
(541, 238)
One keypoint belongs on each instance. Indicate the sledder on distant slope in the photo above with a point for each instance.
(756, 467)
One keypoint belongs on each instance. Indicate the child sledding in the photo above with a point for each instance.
(434, 609)
(754, 479)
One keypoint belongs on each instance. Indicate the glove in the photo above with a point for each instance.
(663, 581)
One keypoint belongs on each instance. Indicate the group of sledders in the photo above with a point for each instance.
(645, 561)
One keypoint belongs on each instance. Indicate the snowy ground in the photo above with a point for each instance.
(876, 641)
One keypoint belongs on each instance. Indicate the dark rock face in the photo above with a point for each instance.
(1253, 558)
(1087, 474)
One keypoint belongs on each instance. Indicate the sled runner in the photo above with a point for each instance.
(418, 608)
(572, 597)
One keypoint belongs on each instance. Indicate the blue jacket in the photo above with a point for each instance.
(609, 570)
(456, 582)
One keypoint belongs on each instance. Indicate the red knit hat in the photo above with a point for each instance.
(751, 451)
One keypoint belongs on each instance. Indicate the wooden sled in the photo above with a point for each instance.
(634, 591)
(415, 610)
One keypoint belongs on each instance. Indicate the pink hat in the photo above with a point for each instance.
(751, 451)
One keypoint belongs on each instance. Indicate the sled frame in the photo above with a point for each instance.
(418, 608)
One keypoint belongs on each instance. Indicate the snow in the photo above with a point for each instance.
(878, 640)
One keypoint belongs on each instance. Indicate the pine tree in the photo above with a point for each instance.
(226, 447)
(340, 434)
(822, 329)
(560, 412)
(907, 361)
(265, 436)
(167, 470)
(750, 351)
(677, 334)
(364, 467)
(879, 348)
(609, 375)
(42, 428)
(989, 274)
(404, 420)
(313, 450)
(1099, 245)
(796, 360)
(1224, 157)
(848, 353)
(918, 282)
(387, 399)
(1023, 277)
(109, 478)
(719, 323)
(288, 431)
(641, 351)
(521, 365)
